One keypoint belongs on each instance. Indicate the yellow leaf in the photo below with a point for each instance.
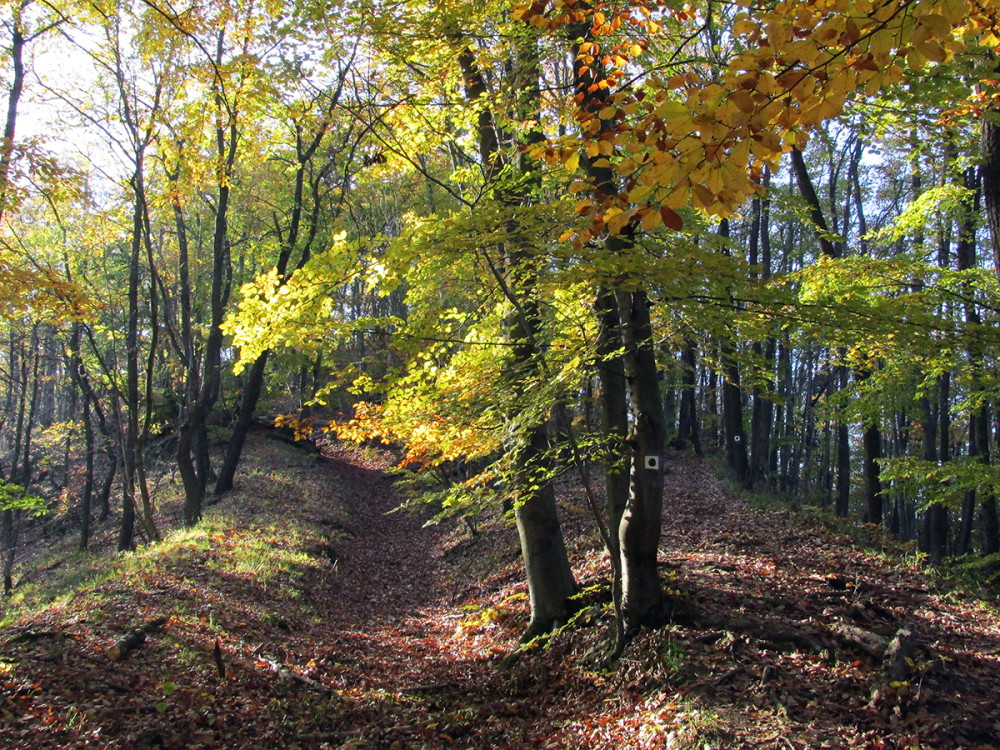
(740, 153)
(743, 100)
(678, 197)
(937, 25)
(671, 109)
(651, 220)
(703, 197)
(607, 113)
(954, 11)
(572, 161)
(932, 51)
(626, 167)
(743, 26)
(618, 222)
(638, 193)
(577, 186)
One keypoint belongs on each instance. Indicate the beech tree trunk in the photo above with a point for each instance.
(614, 422)
(549, 575)
(17, 42)
(193, 461)
(639, 531)
(687, 423)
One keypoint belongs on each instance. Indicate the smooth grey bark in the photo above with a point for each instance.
(642, 599)
(549, 575)
(643, 602)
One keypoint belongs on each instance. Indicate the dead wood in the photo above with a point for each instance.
(220, 665)
(762, 630)
(898, 662)
(134, 638)
(872, 644)
(29, 636)
(285, 674)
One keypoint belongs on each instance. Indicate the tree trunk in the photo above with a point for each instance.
(639, 532)
(549, 575)
(13, 98)
(614, 423)
(255, 378)
(78, 376)
(193, 461)
(990, 177)
(687, 427)
(872, 441)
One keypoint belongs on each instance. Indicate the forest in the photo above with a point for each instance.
(525, 249)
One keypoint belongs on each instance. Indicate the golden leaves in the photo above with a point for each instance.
(700, 138)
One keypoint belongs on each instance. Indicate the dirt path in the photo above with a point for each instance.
(360, 631)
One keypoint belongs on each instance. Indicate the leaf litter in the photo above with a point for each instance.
(306, 614)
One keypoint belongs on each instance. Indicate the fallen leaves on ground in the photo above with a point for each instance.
(373, 631)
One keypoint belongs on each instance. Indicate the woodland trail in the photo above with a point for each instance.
(368, 630)
(780, 598)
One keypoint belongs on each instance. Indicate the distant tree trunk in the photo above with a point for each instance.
(87, 494)
(21, 471)
(990, 176)
(254, 385)
(808, 192)
(937, 513)
(872, 440)
(688, 430)
(130, 448)
(241, 427)
(990, 186)
(104, 497)
(985, 184)
(78, 374)
(762, 414)
(8, 530)
(732, 394)
(732, 414)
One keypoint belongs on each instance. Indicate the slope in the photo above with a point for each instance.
(301, 613)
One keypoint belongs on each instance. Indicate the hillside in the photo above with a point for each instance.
(301, 614)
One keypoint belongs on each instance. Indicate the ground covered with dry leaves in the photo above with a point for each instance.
(301, 614)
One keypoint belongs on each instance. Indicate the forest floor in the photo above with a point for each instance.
(301, 614)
